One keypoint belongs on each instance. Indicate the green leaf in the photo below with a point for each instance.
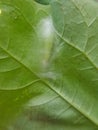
(48, 65)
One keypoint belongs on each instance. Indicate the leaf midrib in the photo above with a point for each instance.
(49, 86)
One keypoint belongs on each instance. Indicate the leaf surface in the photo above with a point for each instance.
(48, 65)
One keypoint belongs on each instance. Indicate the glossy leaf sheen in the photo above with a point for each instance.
(48, 65)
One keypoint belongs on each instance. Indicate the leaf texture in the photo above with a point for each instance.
(48, 65)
